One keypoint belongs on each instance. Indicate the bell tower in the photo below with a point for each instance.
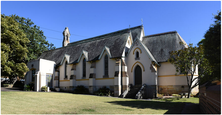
(66, 38)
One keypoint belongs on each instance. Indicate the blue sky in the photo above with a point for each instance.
(89, 19)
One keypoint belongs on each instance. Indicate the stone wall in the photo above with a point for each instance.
(172, 89)
(151, 91)
(67, 88)
(176, 89)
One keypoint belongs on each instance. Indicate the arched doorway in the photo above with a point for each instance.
(138, 75)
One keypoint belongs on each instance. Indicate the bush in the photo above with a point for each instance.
(159, 95)
(104, 91)
(52, 89)
(26, 88)
(192, 95)
(80, 89)
(5, 85)
(44, 88)
(62, 90)
(31, 86)
(176, 96)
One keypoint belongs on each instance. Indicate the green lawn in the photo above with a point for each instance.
(67, 103)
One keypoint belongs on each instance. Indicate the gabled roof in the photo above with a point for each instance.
(67, 57)
(146, 49)
(85, 53)
(161, 44)
(107, 50)
(115, 41)
(136, 32)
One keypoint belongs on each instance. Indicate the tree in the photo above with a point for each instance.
(38, 43)
(212, 48)
(186, 60)
(204, 71)
(13, 48)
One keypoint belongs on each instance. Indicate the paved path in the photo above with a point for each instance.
(11, 89)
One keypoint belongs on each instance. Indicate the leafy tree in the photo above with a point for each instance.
(212, 48)
(13, 48)
(204, 70)
(186, 60)
(38, 43)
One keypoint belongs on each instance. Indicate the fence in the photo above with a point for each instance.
(210, 99)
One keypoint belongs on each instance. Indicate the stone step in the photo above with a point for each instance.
(133, 91)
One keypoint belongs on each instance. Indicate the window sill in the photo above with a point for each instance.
(137, 58)
(105, 76)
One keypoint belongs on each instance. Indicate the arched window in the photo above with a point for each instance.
(106, 68)
(137, 56)
(66, 76)
(84, 68)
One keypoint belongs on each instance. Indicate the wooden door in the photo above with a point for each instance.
(138, 75)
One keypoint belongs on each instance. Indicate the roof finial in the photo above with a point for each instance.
(129, 26)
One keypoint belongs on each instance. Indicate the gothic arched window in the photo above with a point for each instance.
(84, 68)
(106, 66)
(66, 76)
(137, 56)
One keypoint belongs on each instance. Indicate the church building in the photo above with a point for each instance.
(121, 60)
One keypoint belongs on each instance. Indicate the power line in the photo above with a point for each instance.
(53, 38)
(60, 32)
(57, 38)
(51, 29)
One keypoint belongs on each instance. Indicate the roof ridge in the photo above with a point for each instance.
(92, 38)
(161, 33)
(54, 49)
(101, 36)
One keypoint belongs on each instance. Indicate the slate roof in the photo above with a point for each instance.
(136, 32)
(161, 44)
(115, 41)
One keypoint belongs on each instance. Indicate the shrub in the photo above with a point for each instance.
(159, 95)
(5, 85)
(104, 91)
(62, 90)
(26, 88)
(176, 96)
(52, 89)
(80, 89)
(44, 88)
(31, 86)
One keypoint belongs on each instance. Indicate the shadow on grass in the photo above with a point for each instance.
(172, 107)
(11, 89)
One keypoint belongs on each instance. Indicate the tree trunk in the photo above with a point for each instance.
(189, 91)
(14, 80)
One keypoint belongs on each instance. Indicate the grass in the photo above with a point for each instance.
(190, 100)
(67, 103)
